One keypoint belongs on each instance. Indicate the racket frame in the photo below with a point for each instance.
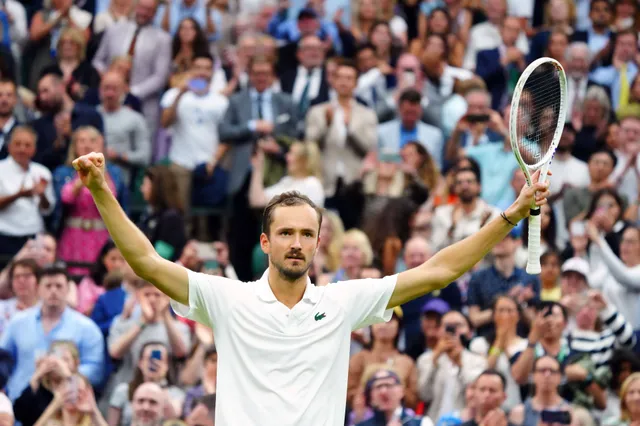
(533, 263)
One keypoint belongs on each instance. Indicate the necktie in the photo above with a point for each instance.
(259, 100)
(304, 98)
(132, 46)
(623, 95)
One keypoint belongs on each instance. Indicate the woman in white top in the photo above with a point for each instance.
(303, 169)
(501, 348)
(622, 286)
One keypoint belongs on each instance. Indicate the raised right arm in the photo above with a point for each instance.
(168, 277)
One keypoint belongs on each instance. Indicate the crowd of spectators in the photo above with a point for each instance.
(393, 115)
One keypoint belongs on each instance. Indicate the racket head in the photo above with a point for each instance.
(538, 113)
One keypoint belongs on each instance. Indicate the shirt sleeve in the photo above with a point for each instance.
(210, 298)
(364, 301)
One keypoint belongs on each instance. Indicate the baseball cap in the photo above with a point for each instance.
(436, 305)
(307, 13)
(577, 264)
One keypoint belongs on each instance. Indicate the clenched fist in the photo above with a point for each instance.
(90, 169)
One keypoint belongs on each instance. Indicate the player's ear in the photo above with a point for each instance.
(265, 245)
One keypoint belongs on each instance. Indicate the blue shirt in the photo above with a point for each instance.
(288, 31)
(610, 77)
(496, 170)
(407, 136)
(25, 339)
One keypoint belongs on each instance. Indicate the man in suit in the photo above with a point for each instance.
(501, 66)
(577, 69)
(150, 50)
(345, 132)
(393, 135)
(307, 83)
(8, 100)
(256, 115)
(599, 36)
(60, 117)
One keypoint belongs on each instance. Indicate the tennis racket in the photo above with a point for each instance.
(538, 111)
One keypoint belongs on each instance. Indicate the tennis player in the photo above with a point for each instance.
(283, 343)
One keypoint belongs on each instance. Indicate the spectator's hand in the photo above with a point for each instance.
(526, 294)
(40, 187)
(210, 167)
(27, 250)
(148, 314)
(596, 298)
(337, 17)
(494, 418)
(496, 123)
(538, 326)
(257, 160)
(60, 367)
(444, 345)
(359, 407)
(162, 310)
(369, 164)
(455, 354)
(269, 145)
(463, 125)
(592, 231)
(204, 334)
(576, 373)
(384, 67)
(576, 119)
(128, 307)
(86, 402)
(264, 127)
(90, 168)
(62, 124)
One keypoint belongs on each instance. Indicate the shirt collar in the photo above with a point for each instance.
(8, 125)
(266, 294)
(266, 95)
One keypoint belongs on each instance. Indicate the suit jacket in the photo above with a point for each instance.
(489, 68)
(288, 80)
(234, 129)
(151, 63)
(361, 139)
(4, 151)
(429, 136)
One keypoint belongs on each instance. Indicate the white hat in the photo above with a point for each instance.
(5, 405)
(577, 264)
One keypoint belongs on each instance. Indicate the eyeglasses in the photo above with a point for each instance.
(550, 371)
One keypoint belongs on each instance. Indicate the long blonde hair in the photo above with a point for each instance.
(625, 415)
(71, 152)
(360, 239)
(311, 154)
(333, 251)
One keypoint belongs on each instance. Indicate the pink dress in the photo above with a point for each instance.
(88, 293)
(76, 244)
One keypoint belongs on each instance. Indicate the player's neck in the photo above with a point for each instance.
(289, 293)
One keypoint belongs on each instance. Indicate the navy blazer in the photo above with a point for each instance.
(489, 68)
(4, 151)
(288, 80)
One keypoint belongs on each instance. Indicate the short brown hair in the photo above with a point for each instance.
(287, 199)
(28, 263)
(261, 59)
(164, 189)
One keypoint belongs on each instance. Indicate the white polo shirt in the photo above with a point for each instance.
(278, 366)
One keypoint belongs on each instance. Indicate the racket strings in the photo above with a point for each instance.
(538, 113)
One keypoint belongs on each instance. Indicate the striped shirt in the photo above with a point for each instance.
(616, 333)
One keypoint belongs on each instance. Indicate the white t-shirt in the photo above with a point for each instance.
(279, 366)
(195, 130)
(309, 186)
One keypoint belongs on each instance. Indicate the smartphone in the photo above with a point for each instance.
(156, 355)
(73, 388)
(197, 84)
(477, 118)
(409, 77)
(578, 229)
(450, 329)
(389, 157)
(555, 417)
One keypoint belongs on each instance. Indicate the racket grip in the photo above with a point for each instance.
(533, 263)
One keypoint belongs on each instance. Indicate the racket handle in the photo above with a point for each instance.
(533, 263)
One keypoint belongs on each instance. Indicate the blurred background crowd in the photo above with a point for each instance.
(391, 114)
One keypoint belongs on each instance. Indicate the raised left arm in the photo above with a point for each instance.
(450, 263)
